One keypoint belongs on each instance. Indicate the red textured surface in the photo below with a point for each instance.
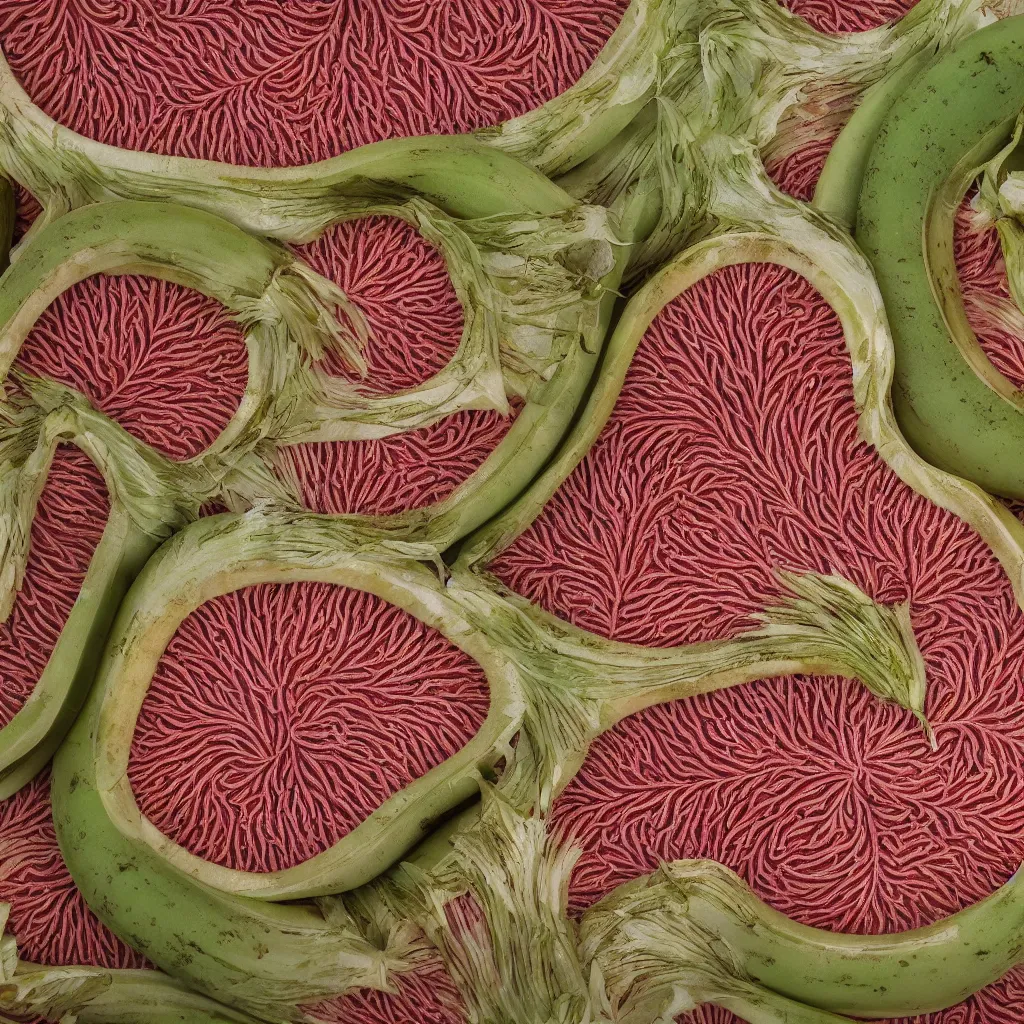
(427, 997)
(48, 915)
(164, 361)
(829, 804)
(733, 450)
(275, 84)
(72, 511)
(282, 715)
(258, 82)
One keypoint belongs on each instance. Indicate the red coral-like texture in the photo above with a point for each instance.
(282, 715)
(268, 84)
(732, 451)
(72, 509)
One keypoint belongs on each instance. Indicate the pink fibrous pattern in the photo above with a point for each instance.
(829, 803)
(48, 916)
(267, 84)
(164, 361)
(424, 997)
(293, 711)
(72, 510)
(798, 172)
(837, 17)
(733, 451)
(264, 83)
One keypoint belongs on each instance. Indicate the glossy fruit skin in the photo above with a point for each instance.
(959, 111)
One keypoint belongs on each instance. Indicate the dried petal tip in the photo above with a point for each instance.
(929, 733)
(830, 621)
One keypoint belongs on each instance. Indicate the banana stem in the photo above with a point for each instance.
(32, 736)
(758, 1005)
(875, 976)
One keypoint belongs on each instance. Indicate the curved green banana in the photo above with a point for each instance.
(220, 554)
(263, 958)
(460, 174)
(838, 188)
(698, 929)
(286, 310)
(955, 116)
(32, 736)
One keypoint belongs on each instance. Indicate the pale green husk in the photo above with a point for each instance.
(98, 995)
(41, 414)
(690, 933)
(509, 947)
(577, 684)
(530, 289)
(744, 69)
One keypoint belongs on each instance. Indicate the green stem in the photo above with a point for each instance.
(458, 173)
(696, 928)
(536, 433)
(579, 429)
(32, 736)
(909, 973)
(600, 178)
(584, 119)
(97, 995)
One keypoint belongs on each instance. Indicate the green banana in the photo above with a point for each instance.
(97, 995)
(289, 321)
(32, 736)
(698, 928)
(838, 188)
(263, 958)
(954, 117)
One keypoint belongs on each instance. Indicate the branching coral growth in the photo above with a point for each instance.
(669, 129)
